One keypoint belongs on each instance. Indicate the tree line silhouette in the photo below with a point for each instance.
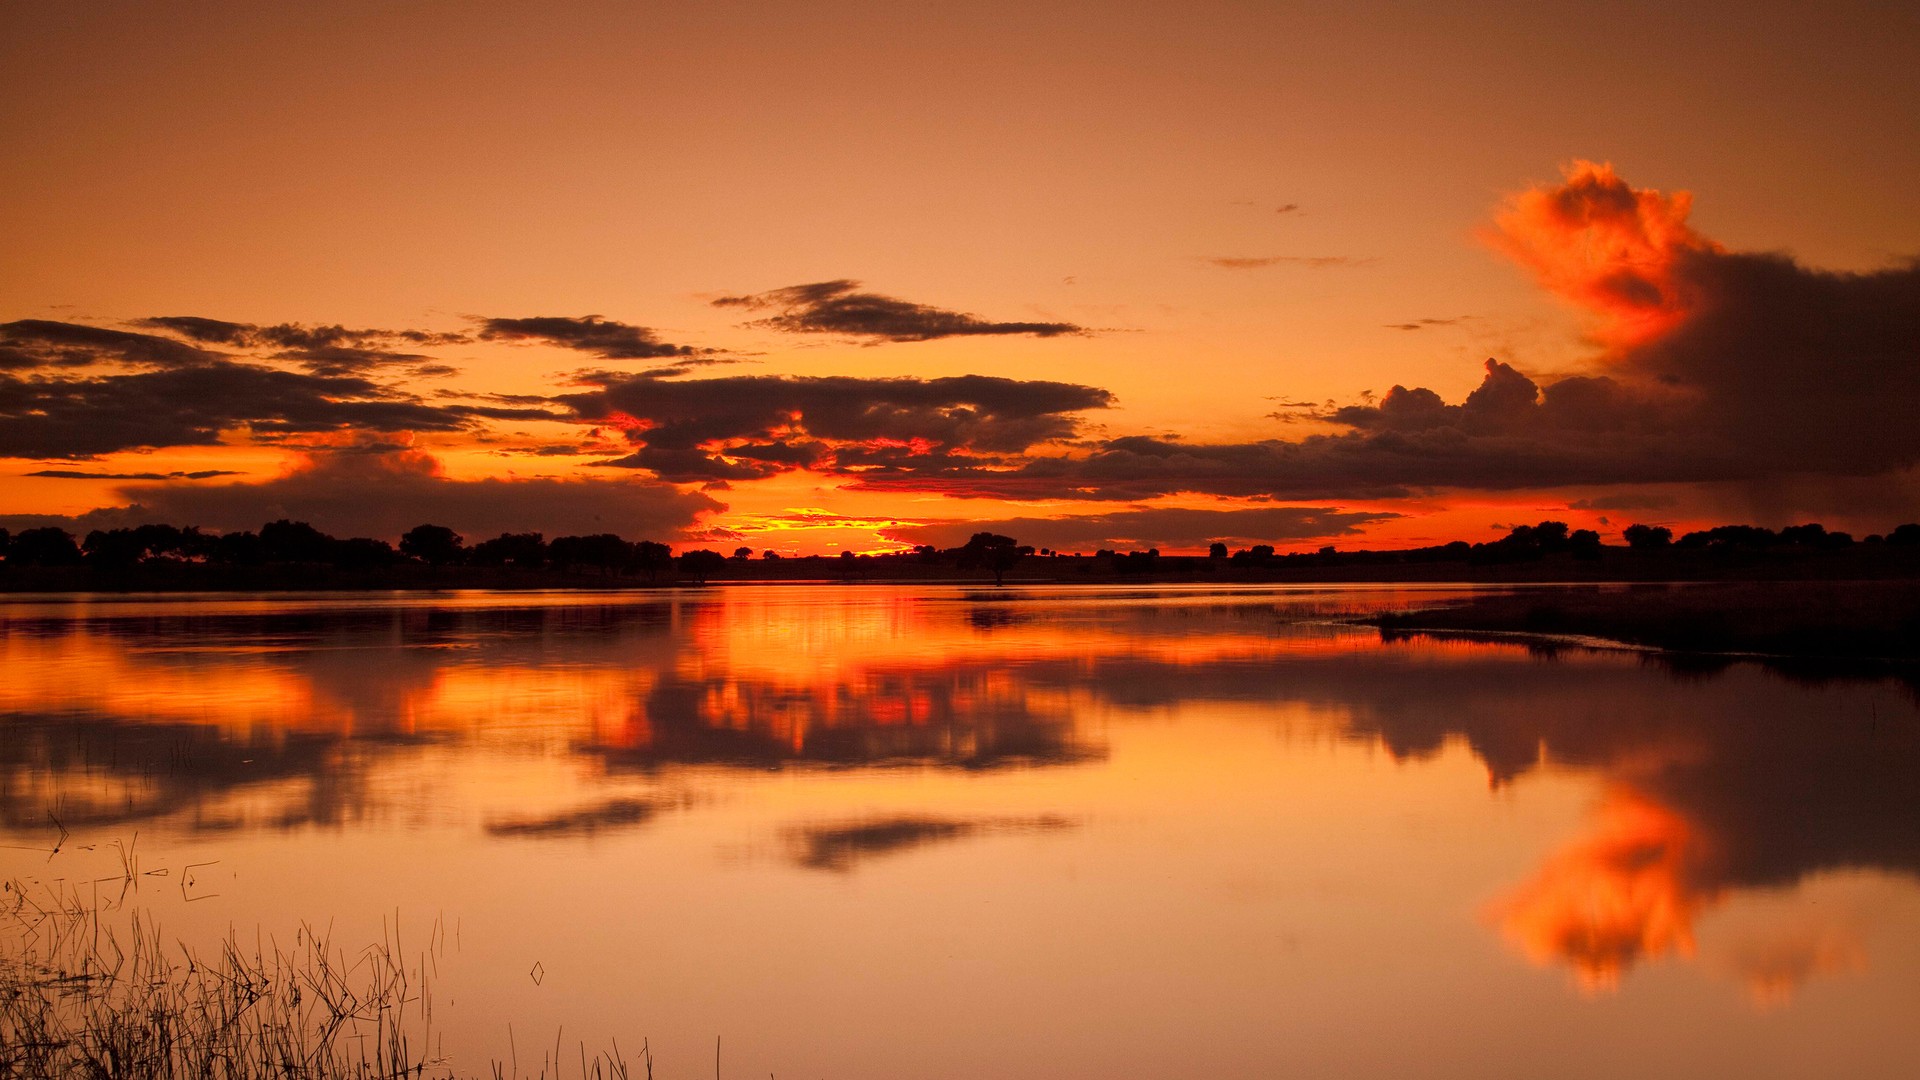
(284, 543)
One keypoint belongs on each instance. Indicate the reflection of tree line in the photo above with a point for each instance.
(1719, 780)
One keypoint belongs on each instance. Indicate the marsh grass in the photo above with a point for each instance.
(88, 991)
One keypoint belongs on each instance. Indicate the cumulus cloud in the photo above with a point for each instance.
(839, 307)
(748, 426)
(1712, 366)
(1150, 527)
(592, 334)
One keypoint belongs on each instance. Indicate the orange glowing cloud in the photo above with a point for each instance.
(1608, 247)
(1630, 890)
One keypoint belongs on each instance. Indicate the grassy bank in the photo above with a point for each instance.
(1823, 619)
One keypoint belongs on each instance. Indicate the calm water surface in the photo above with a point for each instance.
(878, 832)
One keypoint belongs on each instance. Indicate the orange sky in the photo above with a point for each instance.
(1236, 206)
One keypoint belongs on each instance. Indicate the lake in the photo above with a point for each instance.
(933, 831)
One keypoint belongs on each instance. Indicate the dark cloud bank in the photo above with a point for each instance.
(1716, 367)
(839, 307)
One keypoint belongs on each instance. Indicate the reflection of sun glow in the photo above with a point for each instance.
(1630, 890)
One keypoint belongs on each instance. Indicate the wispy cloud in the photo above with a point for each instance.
(839, 307)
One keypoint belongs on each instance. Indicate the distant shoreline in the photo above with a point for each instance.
(1877, 563)
(1781, 620)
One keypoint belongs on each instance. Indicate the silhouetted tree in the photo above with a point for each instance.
(651, 558)
(1584, 544)
(1647, 537)
(701, 562)
(6, 541)
(743, 552)
(604, 551)
(1216, 550)
(1907, 535)
(363, 553)
(114, 549)
(993, 552)
(293, 542)
(238, 549)
(1813, 534)
(47, 546)
(435, 545)
(523, 551)
(1729, 536)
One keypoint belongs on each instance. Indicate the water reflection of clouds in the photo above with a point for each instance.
(1716, 783)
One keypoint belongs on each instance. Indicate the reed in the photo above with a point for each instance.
(82, 996)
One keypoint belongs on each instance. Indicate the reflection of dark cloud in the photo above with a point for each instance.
(839, 307)
(98, 771)
(838, 847)
(945, 715)
(583, 821)
(1783, 777)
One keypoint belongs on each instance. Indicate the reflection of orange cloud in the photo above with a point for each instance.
(1605, 246)
(1630, 890)
(1774, 969)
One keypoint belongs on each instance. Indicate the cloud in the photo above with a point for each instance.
(386, 492)
(1311, 262)
(1422, 324)
(325, 349)
(742, 427)
(84, 416)
(42, 343)
(1712, 367)
(77, 474)
(838, 307)
(1150, 527)
(604, 338)
(1289, 208)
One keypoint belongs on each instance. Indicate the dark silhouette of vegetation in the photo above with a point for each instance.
(1854, 619)
(43, 547)
(294, 554)
(435, 545)
(1647, 537)
(523, 551)
(701, 563)
(993, 552)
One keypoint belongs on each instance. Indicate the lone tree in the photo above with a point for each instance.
(700, 563)
(436, 545)
(992, 552)
(1647, 537)
(47, 546)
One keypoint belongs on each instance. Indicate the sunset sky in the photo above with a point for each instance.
(824, 277)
